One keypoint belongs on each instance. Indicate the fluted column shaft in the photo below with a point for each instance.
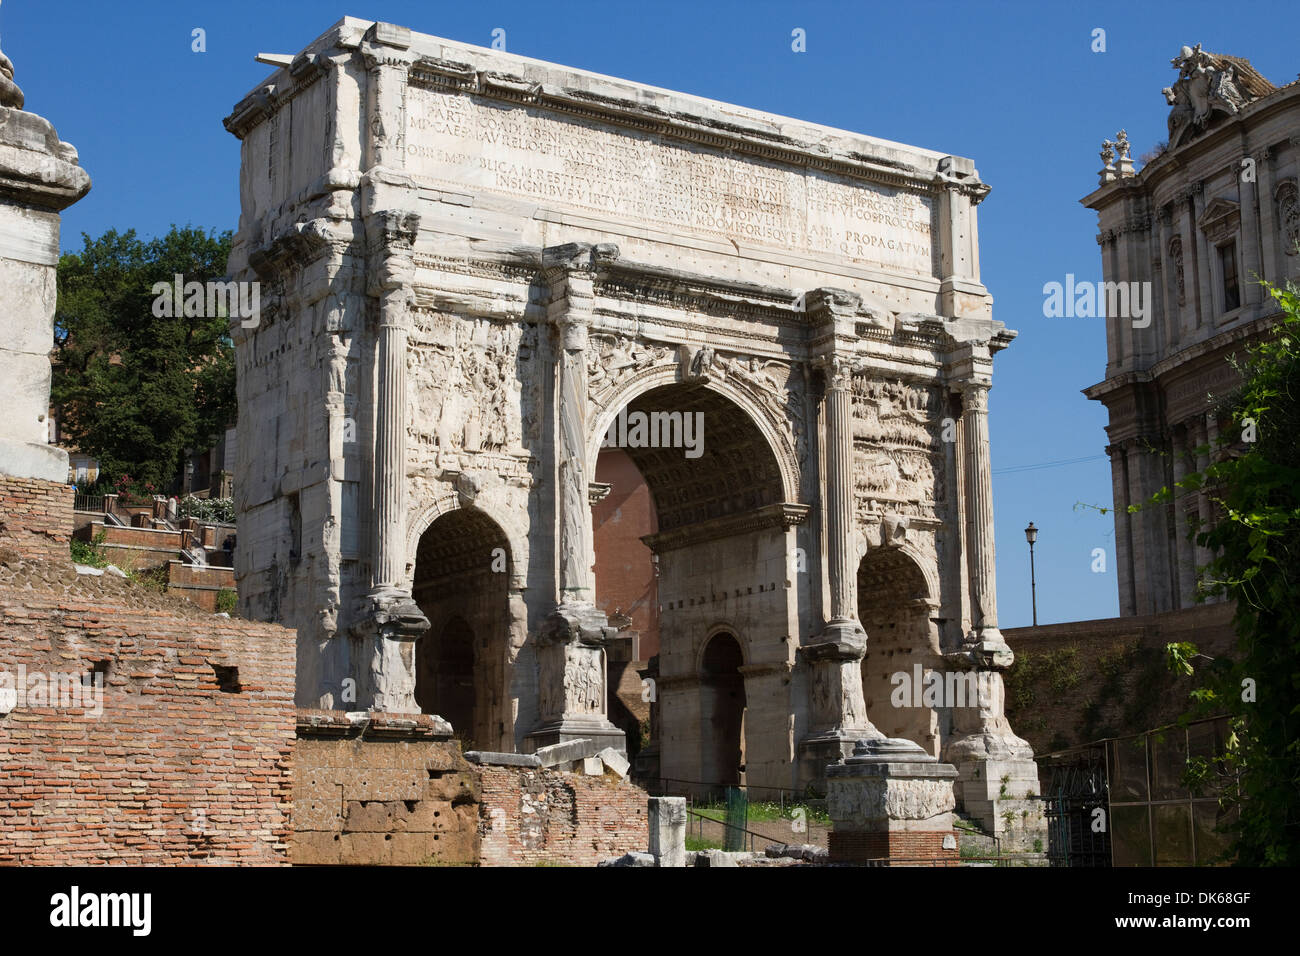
(980, 567)
(388, 534)
(839, 493)
(576, 541)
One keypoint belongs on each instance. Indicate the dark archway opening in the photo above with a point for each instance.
(722, 712)
(461, 582)
(444, 675)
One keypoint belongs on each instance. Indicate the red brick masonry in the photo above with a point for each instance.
(188, 758)
(898, 848)
(529, 817)
(35, 518)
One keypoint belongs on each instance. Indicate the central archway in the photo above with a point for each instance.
(722, 530)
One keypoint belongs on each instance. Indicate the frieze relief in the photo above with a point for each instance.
(862, 801)
(465, 392)
(614, 359)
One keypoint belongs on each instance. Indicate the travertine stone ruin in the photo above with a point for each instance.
(473, 265)
(39, 176)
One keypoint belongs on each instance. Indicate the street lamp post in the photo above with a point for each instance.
(1031, 535)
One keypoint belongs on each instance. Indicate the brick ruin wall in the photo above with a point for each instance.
(535, 817)
(392, 792)
(186, 756)
(397, 792)
(196, 753)
(35, 518)
(898, 847)
(1085, 680)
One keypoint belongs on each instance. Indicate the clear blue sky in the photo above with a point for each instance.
(1015, 86)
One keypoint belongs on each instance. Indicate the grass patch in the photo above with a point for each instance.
(89, 552)
(699, 843)
(151, 579)
(767, 812)
(227, 601)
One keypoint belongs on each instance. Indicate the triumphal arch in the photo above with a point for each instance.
(476, 271)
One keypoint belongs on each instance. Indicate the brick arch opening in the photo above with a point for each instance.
(461, 582)
(895, 608)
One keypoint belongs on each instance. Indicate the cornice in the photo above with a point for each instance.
(781, 515)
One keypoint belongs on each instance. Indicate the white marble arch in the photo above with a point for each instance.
(928, 568)
(774, 430)
(421, 518)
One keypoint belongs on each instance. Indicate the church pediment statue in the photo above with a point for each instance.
(1207, 84)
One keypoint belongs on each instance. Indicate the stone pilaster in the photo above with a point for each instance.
(1191, 299)
(1251, 270)
(1123, 528)
(39, 177)
(1272, 265)
(1205, 293)
(959, 192)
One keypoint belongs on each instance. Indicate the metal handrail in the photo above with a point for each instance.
(729, 826)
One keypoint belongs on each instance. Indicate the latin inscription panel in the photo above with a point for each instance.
(459, 141)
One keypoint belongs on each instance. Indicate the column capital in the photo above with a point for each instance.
(975, 395)
(559, 264)
(838, 369)
(390, 236)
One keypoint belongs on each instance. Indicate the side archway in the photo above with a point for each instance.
(896, 601)
(723, 707)
(461, 581)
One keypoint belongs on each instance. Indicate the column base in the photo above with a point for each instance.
(562, 731)
(1000, 791)
(388, 623)
(573, 679)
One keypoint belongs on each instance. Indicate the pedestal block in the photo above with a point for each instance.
(891, 802)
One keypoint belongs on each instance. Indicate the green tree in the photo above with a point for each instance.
(135, 390)
(1256, 542)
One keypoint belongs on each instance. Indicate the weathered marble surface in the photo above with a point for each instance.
(39, 176)
(473, 262)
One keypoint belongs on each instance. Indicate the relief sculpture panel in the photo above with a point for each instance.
(899, 463)
(469, 391)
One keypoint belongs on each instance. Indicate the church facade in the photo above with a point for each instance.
(1196, 228)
